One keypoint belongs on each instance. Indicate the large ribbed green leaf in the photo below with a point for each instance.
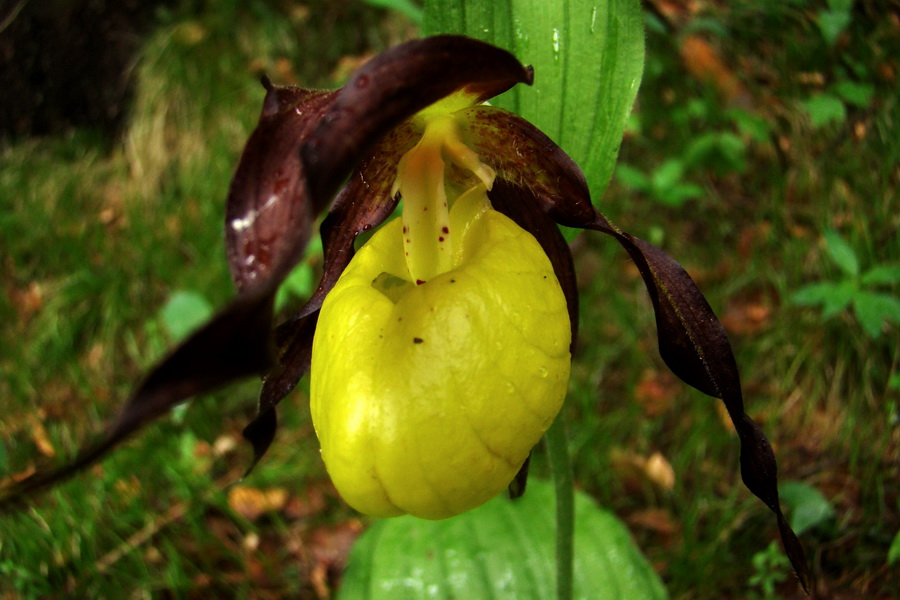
(588, 57)
(503, 550)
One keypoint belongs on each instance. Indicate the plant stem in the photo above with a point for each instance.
(558, 452)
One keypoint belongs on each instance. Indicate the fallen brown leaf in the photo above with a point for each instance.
(748, 315)
(634, 469)
(655, 392)
(307, 504)
(27, 301)
(330, 547)
(657, 520)
(659, 471)
(251, 503)
(703, 62)
(677, 11)
(40, 437)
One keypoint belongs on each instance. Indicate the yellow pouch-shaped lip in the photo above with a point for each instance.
(428, 398)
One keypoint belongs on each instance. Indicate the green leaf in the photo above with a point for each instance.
(721, 151)
(894, 551)
(832, 23)
(184, 312)
(841, 253)
(667, 174)
(807, 506)
(406, 7)
(825, 109)
(681, 193)
(753, 126)
(588, 59)
(832, 297)
(881, 275)
(873, 309)
(841, 5)
(501, 550)
(844, 293)
(857, 94)
(632, 177)
(299, 284)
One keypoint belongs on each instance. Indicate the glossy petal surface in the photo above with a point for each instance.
(427, 399)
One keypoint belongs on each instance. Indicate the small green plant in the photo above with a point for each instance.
(807, 506)
(893, 555)
(833, 20)
(184, 311)
(851, 87)
(856, 288)
(825, 109)
(720, 150)
(830, 107)
(770, 567)
(410, 9)
(665, 185)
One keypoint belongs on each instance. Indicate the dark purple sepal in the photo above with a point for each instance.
(294, 340)
(362, 205)
(234, 345)
(691, 339)
(393, 87)
(516, 487)
(522, 155)
(270, 215)
(694, 345)
(361, 125)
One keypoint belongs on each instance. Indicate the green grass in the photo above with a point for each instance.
(95, 241)
(98, 236)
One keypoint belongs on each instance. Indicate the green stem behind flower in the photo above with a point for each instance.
(558, 452)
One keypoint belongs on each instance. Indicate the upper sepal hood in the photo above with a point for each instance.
(362, 127)
(308, 142)
(524, 157)
(397, 84)
(270, 213)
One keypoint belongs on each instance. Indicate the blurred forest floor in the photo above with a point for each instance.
(763, 154)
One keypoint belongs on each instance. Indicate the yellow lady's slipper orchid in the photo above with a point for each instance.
(442, 351)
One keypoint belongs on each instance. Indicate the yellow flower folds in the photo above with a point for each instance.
(442, 353)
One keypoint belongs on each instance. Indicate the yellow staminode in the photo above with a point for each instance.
(421, 182)
(442, 354)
